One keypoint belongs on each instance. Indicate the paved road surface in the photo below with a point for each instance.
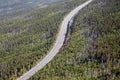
(58, 44)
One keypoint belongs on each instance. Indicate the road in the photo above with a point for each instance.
(58, 44)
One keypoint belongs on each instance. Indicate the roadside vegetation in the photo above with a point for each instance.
(93, 52)
(25, 41)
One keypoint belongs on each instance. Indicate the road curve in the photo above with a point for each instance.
(58, 44)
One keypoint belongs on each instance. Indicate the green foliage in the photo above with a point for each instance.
(18, 8)
(93, 52)
(25, 41)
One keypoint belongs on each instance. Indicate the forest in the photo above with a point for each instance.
(19, 8)
(25, 40)
(93, 52)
